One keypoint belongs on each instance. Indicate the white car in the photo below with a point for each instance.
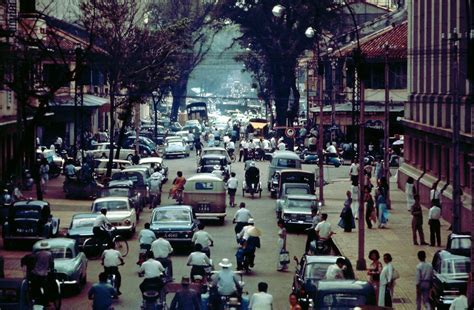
(216, 151)
(176, 148)
(119, 212)
(100, 148)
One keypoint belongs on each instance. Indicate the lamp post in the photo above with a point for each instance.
(386, 131)
(154, 96)
(333, 63)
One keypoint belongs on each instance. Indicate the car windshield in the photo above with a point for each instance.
(297, 191)
(210, 161)
(172, 216)
(27, 213)
(456, 266)
(117, 192)
(61, 252)
(460, 243)
(342, 301)
(83, 223)
(113, 205)
(298, 203)
(175, 143)
(316, 271)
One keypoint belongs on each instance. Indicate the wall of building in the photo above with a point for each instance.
(429, 110)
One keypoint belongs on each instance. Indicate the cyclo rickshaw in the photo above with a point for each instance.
(251, 184)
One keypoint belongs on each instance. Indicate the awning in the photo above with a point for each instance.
(90, 101)
(258, 125)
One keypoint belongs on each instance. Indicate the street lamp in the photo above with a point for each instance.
(154, 96)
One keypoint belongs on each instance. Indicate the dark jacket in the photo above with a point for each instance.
(186, 299)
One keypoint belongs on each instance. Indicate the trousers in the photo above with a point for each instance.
(435, 232)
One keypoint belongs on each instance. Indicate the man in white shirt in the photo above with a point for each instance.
(354, 173)
(332, 148)
(203, 238)
(281, 146)
(111, 259)
(146, 237)
(424, 281)
(162, 249)
(261, 300)
(460, 302)
(153, 270)
(198, 262)
(434, 215)
(324, 229)
(99, 228)
(232, 185)
(244, 149)
(335, 271)
(241, 218)
(243, 234)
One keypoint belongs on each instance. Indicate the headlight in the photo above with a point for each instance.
(320, 204)
(127, 221)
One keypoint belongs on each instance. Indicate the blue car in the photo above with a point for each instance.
(81, 227)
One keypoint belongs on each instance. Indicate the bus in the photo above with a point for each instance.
(198, 111)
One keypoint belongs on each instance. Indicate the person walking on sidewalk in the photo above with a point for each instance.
(355, 201)
(354, 173)
(375, 268)
(417, 222)
(347, 218)
(382, 206)
(370, 214)
(435, 226)
(281, 244)
(386, 282)
(424, 281)
(232, 185)
(410, 192)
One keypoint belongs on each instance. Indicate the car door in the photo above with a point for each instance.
(437, 287)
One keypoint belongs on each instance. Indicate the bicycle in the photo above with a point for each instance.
(93, 248)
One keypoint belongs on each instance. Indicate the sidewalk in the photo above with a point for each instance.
(396, 239)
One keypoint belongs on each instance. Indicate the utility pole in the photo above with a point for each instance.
(321, 132)
(333, 98)
(456, 125)
(386, 131)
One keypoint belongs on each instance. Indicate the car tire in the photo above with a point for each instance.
(222, 221)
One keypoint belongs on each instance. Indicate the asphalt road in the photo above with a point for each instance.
(262, 210)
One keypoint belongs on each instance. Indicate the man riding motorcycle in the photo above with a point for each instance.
(225, 283)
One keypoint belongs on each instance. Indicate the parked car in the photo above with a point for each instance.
(217, 151)
(158, 162)
(175, 223)
(281, 180)
(450, 275)
(176, 148)
(120, 213)
(310, 270)
(282, 160)
(101, 164)
(345, 294)
(15, 294)
(101, 148)
(295, 210)
(81, 227)
(124, 189)
(70, 265)
(29, 220)
(459, 244)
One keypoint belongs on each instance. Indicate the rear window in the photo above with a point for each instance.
(111, 205)
(460, 243)
(27, 213)
(454, 266)
(343, 301)
(204, 186)
(285, 163)
(297, 191)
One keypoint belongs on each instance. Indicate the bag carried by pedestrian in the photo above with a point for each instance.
(284, 257)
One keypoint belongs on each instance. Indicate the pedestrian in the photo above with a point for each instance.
(434, 215)
(281, 145)
(241, 218)
(102, 294)
(232, 185)
(387, 282)
(243, 150)
(198, 145)
(417, 221)
(355, 201)
(311, 230)
(347, 219)
(186, 298)
(460, 302)
(293, 299)
(424, 281)
(370, 214)
(261, 300)
(281, 245)
(381, 201)
(354, 173)
(410, 192)
(435, 195)
(336, 271)
(375, 268)
(44, 174)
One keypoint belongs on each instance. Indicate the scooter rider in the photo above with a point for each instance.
(101, 226)
(204, 239)
(153, 271)
(44, 264)
(198, 262)
(241, 218)
(225, 282)
(146, 237)
(324, 231)
(162, 249)
(111, 260)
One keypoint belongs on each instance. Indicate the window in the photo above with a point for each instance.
(56, 75)
(343, 300)
(204, 186)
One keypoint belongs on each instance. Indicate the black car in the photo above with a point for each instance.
(450, 275)
(29, 220)
(310, 270)
(175, 223)
(209, 163)
(344, 294)
(459, 244)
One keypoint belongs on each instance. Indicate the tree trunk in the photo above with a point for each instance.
(179, 92)
(113, 91)
(128, 114)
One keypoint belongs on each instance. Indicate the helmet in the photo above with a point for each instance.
(103, 210)
(252, 164)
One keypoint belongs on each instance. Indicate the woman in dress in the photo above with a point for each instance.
(44, 174)
(410, 193)
(374, 271)
(281, 244)
(386, 282)
(347, 218)
(381, 198)
(178, 184)
(370, 214)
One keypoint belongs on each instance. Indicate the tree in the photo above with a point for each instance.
(198, 36)
(137, 59)
(279, 41)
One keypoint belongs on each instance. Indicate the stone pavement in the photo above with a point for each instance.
(396, 239)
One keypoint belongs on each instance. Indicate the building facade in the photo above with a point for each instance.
(437, 81)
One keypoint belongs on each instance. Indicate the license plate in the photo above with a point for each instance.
(204, 207)
(171, 235)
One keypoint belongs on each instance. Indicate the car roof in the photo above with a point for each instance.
(136, 169)
(120, 183)
(84, 216)
(322, 258)
(149, 160)
(342, 285)
(174, 207)
(213, 155)
(214, 148)
(55, 242)
(114, 160)
(444, 254)
(111, 198)
(30, 203)
(299, 171)
(204, 176)
(286, 154)
(456, 236)
(301, 197)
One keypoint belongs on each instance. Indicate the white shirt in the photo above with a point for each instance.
(459, 303)
(243, 234)
(434, 194)
(242, 215)
(111, 258)
(281, 146)
(334, 273)
(245, 145)
(354, 169)
(331, 149)
(231, 145)
(232, 183)
(146, 236)
(324, 229)
(198, 259)
(266, 145)
(203, 238)
(251, 145)
(261, 301)
(152, 268)
(161, 248)
(101, 221)
(434, 213)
